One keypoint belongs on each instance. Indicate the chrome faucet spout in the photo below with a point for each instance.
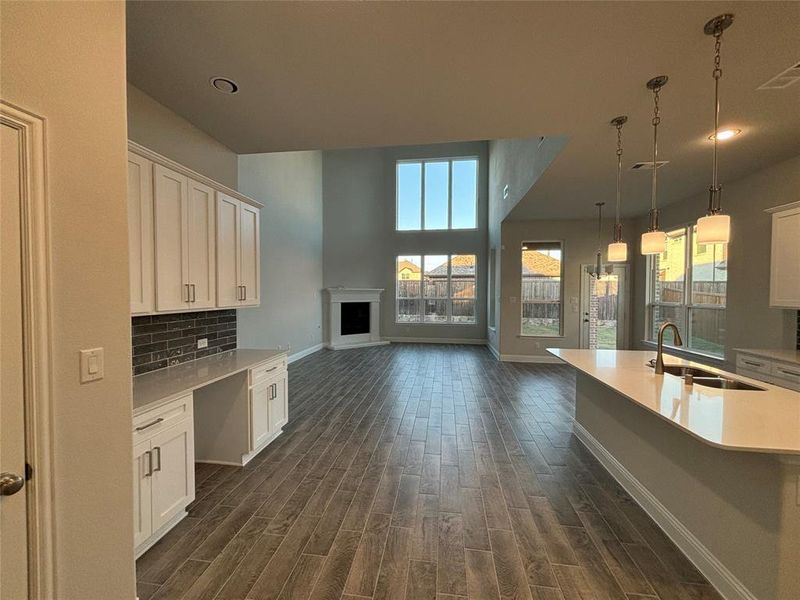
(659, 366)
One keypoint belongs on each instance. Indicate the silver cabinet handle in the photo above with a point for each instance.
(795, 373)
(191, 285)
(186, 289)
(149, 471)
(753, 364)
(238, 292)
(158, 468)
(156, 422)
(244, 287)
(272, 369)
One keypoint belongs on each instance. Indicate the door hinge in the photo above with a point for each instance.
(28, 472)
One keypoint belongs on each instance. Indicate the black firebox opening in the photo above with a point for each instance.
(355, 318)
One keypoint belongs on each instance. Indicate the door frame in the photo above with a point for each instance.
(623, 320)
(37, 360)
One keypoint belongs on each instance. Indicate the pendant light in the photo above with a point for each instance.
(715, 228)
(617, 249)
(654, 241)
(597, 270)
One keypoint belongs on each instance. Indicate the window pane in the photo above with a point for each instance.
(435, 311)
(709, 272)
(660, 315)
(463, 311)
(669, 270)
(408, 276)
(409, 196)
(708, 331)
(462, 276)
(541, 288)
(408, 310)
(437, 179)
(465, 193)
(435, 276)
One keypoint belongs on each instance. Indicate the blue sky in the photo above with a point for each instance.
(437, 182)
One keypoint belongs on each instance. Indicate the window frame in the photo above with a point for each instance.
(448, 300)
(561, 288)
(423, 162)
(687, 305)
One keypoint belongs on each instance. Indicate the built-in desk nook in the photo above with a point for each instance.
(222, 409)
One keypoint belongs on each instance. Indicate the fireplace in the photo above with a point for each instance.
(353, 318)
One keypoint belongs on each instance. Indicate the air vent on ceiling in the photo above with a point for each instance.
(647, 165)
(783, 80)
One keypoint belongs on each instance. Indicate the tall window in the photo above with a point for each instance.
(437, 194)
(435, 288)
(542, 301)
(687, 285)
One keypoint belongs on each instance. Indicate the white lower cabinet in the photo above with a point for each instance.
(259, 414)
(163, 469)
(269, 408)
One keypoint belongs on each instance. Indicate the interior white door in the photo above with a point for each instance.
(173, 471)
(278, 408)
(140, 233)
(171, 239)
(250, 276)
(13, 511)
(603, 309)
(228, 287)
(142, 490)
(259, 413)
(202, 265)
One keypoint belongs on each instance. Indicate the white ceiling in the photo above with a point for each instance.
(330, 75)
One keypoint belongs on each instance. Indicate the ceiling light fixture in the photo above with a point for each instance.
(715, 228)
(224, 85)
(725, 134)
(654, 241)
(617, 249)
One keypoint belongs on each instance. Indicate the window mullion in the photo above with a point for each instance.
(422, 194)
(448, 303)
(449, 195)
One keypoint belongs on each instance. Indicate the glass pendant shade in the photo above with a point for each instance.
(654, 242)
(618, 252)
(714, 229)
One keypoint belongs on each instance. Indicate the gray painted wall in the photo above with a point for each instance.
(360, 241)
(290, 186)
(156, 127)
(751, 323)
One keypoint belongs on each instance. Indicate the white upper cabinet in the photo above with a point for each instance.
(194, 243)
(238, 253)
(140, 233)
(784, 288)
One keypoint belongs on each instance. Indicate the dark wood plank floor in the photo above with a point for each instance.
(419, 472)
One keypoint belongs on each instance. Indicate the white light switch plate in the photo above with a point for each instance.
(202, 343)
(91, 365)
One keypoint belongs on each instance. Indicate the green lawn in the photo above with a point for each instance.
(607, 337)
(544, 330)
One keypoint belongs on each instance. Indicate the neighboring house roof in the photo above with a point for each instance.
(461, 265)
(537, 264)
(407, 264)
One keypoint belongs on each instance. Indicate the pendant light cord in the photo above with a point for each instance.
(654, 191)
(617, 227)
(716, 189)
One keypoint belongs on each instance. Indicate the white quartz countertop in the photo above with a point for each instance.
(156, 387)
(754, 421)
(792, 356)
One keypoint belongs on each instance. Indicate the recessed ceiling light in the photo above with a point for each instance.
(726, 134)
(224, 85)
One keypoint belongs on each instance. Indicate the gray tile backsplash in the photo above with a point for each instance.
(163, 340)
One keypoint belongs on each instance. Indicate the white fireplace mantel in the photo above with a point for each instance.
(337, 296)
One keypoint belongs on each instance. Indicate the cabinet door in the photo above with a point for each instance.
(278, 403)
(142, 515)
(202, 233)
(140, 233)
(259, 414)
(173, 471)
(228, 286)
(250, 260)
(784, 289)
(171, 239)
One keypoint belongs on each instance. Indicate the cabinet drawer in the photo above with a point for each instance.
(753, 363)
(271, 368)
(154, 421)
(786, 372)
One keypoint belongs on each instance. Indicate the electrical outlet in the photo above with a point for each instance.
(202, 343)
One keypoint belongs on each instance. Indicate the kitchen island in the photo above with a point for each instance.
(717, 469)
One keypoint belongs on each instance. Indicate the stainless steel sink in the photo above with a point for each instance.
(682, 371)
(695, 375)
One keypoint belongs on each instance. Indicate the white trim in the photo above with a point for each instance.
(783, 207)
(431, 340)
(530, 358)
(493, 350)
(37, 342)
(183, 170)
(709, 565)
(356, 345)
(304, 353)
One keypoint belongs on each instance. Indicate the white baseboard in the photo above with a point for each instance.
(304, 353)
(493, 350)
(383, 342)
(709, 565)
(530, 358)
(424, 340)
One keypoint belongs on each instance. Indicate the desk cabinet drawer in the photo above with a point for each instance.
(154, 421)
(753, 363)
(787, 372)
(266, 370)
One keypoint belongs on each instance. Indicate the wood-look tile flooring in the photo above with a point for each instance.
(419, 472)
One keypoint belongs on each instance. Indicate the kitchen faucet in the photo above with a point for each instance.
(660, 354)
